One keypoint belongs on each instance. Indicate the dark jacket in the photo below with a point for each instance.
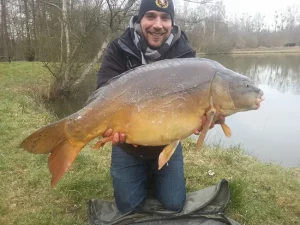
(121, 56)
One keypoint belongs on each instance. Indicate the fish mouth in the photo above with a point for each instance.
(259, 100)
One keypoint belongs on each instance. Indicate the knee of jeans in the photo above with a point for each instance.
(128, 202)
(174, 204)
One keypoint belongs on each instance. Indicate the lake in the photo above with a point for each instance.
(272, 133)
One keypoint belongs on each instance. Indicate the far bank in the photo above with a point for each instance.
(259, 50)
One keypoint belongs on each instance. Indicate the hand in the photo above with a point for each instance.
(220, 120)
(118, 138)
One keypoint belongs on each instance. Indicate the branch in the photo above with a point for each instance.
(104, 45)
(46, 65)
(96, 59)
(52, 4)
(111, 13)
(191, 21)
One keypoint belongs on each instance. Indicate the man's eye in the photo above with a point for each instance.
(167, 17)
(150, 16)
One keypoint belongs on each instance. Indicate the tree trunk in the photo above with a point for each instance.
(34, 27)
(4, 30)
(94, 61)
(67, 39)
(29, 50)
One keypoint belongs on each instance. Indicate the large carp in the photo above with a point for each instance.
(156, 104)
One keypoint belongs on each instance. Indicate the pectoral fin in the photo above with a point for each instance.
(226, 130)
(166, 154)
(210, 117)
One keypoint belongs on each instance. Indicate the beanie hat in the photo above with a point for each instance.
(166, 6)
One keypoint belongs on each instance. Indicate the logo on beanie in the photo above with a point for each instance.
(162, 3)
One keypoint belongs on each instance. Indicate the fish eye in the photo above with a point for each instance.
(247, 84)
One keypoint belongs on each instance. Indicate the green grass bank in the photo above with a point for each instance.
(260, 193)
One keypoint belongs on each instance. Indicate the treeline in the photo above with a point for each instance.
(210, 29)
(32, 29)
(70, 36)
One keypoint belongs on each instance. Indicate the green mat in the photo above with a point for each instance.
(205, 207)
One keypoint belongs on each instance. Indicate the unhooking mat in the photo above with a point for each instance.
(204, 207)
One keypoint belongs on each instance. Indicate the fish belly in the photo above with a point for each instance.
(162, 122)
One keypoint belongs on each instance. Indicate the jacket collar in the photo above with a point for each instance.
(126, 43)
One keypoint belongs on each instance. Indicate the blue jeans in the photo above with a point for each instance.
(130, 175)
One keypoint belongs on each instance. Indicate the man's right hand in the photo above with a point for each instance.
(118, 138)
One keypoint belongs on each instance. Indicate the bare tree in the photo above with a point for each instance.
(258, 25)
(71, 71)
(120, 13)
(4, 30)
(29, 50)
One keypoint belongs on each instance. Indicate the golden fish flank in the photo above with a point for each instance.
(154, 105)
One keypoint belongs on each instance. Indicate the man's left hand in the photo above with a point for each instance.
(220, 120)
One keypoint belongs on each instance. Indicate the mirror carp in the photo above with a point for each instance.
(156, 104)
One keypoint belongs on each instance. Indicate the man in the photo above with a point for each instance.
(151, 36)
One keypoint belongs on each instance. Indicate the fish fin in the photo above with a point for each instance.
(166, 154)
(45, 139)
(61, 159)
(226, 130)
(53, 139)
(210, 117)
(102, 142)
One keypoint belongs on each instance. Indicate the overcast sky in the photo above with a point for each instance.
(266, 7)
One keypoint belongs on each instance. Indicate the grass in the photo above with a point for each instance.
(260, 193)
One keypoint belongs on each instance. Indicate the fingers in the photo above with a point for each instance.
(221, 119)
(108, 133)
(122, 138)
(118, 138)
(196, 132)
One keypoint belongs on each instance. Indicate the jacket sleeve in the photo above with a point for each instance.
(113, 64)
(191, 54)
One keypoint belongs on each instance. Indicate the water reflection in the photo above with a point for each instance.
(271, 133)
(278, 71)
(66, 106)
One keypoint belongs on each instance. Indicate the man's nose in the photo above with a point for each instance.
(157, 23)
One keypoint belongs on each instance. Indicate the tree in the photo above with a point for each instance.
(6, 49)
(29, 50)
(69, 73)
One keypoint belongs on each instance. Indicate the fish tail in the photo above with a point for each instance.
(61, 159)
(54, 139)
(45, 139)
